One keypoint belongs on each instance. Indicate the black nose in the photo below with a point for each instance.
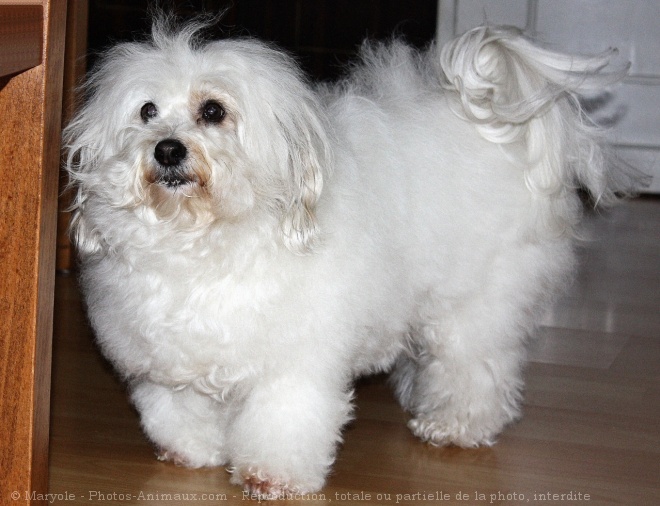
(170, 152)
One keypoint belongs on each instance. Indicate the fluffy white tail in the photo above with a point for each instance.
(518, 92)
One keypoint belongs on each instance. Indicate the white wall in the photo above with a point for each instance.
(590, 26)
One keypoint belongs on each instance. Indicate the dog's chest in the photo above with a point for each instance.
(181, 325)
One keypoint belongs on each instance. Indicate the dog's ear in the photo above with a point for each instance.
(308, 156)
(87, 241)
(286, 131)
(82, 149)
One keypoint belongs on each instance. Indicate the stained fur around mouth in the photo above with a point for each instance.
(174, 177)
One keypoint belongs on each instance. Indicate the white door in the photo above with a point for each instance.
(589, 27)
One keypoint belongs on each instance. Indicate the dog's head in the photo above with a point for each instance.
(192, 133)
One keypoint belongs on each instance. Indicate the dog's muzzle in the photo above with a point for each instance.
(171, 155)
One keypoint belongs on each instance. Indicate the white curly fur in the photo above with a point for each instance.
(413, 218)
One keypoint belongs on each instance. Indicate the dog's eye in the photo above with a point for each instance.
(148, 111)
(213, 112)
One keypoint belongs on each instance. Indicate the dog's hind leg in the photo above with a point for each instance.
(460, 393)
(462, 380)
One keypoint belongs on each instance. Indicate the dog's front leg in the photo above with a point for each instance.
(283, 440)
(186, 426)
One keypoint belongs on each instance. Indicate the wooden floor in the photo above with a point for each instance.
(591, 425)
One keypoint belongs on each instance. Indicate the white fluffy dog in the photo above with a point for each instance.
(250, 244)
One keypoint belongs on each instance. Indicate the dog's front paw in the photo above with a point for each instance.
(260, 486)
(438, 432)
(191, 460)
(165, 455)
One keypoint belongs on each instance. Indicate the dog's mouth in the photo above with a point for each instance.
(172, 177)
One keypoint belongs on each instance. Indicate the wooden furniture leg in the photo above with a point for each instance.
(30, 111)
